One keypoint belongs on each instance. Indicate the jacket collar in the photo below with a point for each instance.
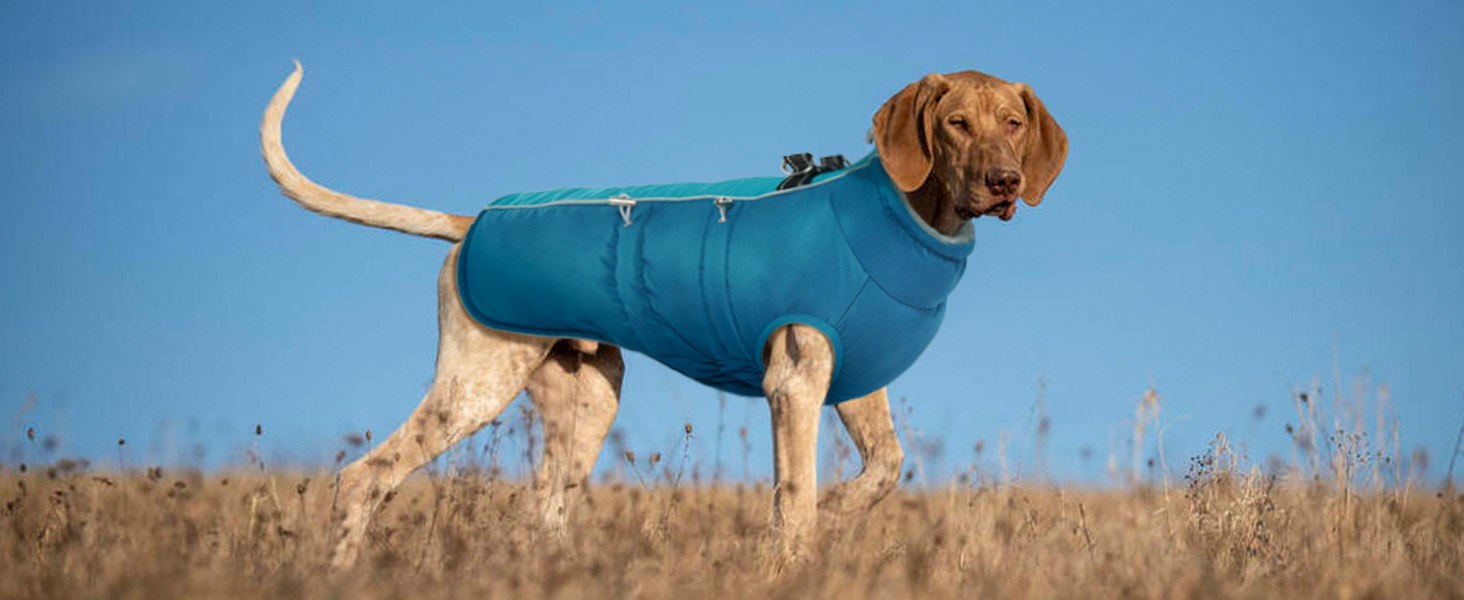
(907, 258)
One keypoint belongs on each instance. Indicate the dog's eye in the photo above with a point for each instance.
(1013, 125)
(959, 122)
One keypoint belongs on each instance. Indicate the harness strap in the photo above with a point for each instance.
(801, 168)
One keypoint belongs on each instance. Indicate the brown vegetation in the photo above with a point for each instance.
(1342, 518)
(1224, 532)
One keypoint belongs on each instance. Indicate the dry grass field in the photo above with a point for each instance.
(1343, 517)
(1220, 531)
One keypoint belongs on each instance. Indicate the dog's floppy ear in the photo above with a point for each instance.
(902, 131)
(1047, 148)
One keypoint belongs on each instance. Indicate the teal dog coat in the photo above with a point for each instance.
(698, 275)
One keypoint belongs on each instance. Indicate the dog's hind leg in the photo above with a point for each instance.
(577, 395)
(871, 428)
(479, 371)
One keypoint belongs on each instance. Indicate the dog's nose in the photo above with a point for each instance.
(1003, 182)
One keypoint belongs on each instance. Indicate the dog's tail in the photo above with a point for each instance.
(397, 217)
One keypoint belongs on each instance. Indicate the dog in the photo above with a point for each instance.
(957, 147)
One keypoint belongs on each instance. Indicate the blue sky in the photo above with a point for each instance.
(1260, 198)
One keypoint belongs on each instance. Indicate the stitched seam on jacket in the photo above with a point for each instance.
(615, 279)
(839, 323)
(706, 301)
(640, 272)
(867, 273)
(727, 297)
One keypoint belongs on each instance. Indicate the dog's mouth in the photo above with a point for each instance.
(1003, 209)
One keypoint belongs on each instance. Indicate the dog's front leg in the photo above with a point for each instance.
(872, 429)
(799, 366)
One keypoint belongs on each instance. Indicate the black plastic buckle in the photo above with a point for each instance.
(801, 168)
(797, 164)
(832, 163)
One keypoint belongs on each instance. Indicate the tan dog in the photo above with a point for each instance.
(960, 146)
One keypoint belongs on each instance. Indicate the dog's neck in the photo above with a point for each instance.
(932, 203)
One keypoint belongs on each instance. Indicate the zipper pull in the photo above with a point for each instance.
(723, 203)
(624, 203)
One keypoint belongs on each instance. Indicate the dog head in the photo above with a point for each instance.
(968, 144)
